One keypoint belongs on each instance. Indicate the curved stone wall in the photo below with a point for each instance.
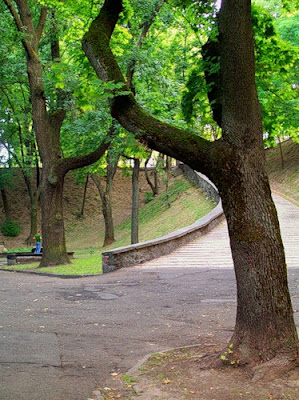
(138, 253)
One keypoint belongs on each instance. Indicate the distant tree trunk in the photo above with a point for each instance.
(154, 186)
(106, 197)
(281, 153)
(106, 210)
(135, 202)
(5, 202)
(84, 195)
(34, 198)
(167, 171)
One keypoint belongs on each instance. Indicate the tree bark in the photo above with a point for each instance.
(135, 202)
(264, 323)
(54, 246)
(265, 327)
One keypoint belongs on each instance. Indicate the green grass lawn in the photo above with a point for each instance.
(156, 219)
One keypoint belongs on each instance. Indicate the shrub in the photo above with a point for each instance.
(148, 197)
(10, 228)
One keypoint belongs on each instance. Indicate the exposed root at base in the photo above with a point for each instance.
(268, 371)
(275, 368)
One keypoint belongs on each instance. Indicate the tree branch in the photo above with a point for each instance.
(23, 23)
(15, 15)
(88, 159)
(41, 23)
(68, 164)
(157, 135)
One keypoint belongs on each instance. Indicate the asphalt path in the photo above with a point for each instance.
(61, 338)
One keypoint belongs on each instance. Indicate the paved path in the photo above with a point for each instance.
(60, 338)
(213, 251)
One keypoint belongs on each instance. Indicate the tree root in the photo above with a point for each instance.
(275, 368)
(267, 371)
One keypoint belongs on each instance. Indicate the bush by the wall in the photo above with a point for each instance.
(10, 228)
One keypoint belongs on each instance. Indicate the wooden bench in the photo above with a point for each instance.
(27, 258)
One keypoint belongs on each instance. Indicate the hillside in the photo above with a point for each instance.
(284, 179)
(155, 217)
(87, 232)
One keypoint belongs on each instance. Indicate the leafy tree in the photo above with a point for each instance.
(277, 90)
(265, 328)
(49, 107)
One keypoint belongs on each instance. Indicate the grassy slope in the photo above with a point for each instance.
(285, 180)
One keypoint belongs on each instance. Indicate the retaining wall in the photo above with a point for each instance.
(139, 253)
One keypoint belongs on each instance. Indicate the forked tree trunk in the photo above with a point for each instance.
(153, 185)
(265, 328)
(106, 197)
(135, 202)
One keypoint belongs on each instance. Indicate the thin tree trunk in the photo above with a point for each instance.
(281, 153)
(106, 196)
(154, 186)
(167, 170)
(135, 202)
(84, 195)
(34, 199)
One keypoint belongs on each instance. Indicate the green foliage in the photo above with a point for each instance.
(276, 66)
(7, 178)
(276, 69)
(10, 228)
(288, 28)
(148, 197)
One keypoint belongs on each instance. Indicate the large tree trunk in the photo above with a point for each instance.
(54, 247)
(264, 322)
(135, 202)
(265, 328)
